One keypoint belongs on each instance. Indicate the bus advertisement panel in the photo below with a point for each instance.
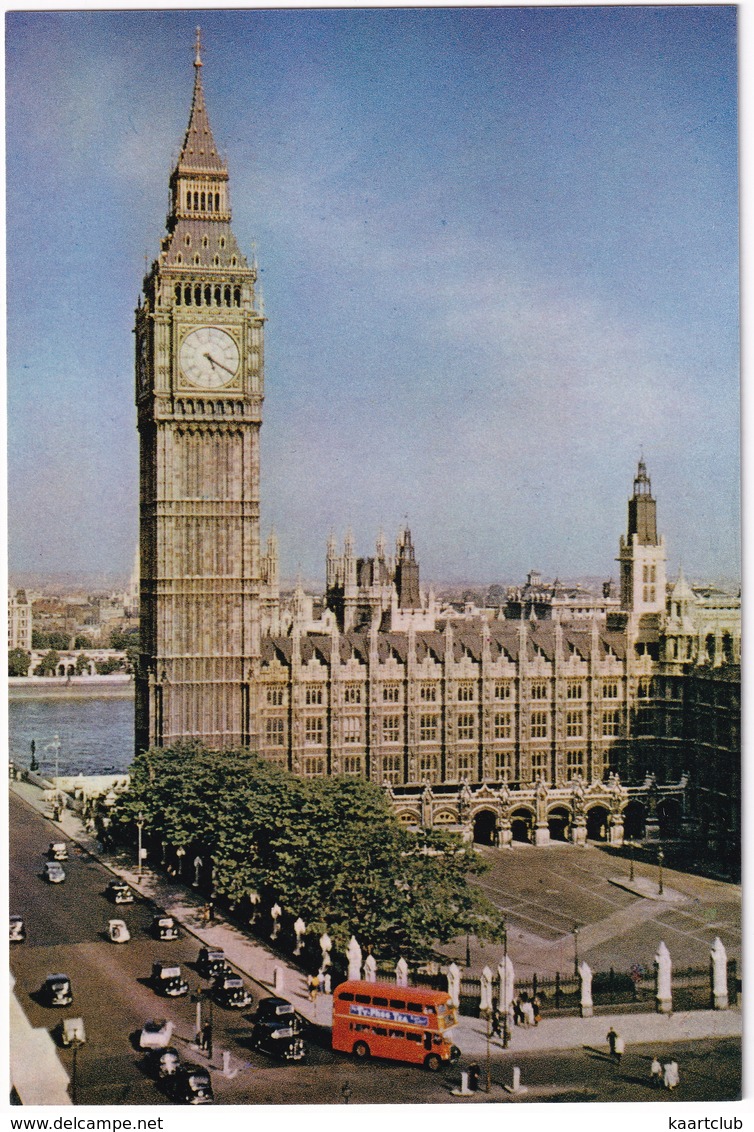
(401, 1023)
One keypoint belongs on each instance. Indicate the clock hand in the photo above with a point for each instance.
(213, 362)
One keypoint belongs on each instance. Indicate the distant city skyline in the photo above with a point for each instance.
(499, 249)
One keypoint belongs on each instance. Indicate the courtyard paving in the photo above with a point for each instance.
(546, 891)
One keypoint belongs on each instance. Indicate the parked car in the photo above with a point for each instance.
(56, 991)
(167, 979)
(119, 892)
(72, 1030)
(58, 851)
(211, 963)
(163, 1062)
(229, 991)
(191, 1084)
(17, 932)
(164, 927)
(278, 1030)
(156, 1034)
(53, 872)
(118, 931)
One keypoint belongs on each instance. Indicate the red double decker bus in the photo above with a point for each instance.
(401, 1023)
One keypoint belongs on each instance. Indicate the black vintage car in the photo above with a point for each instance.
(278, 1030)
(168, 980)
(163, 927)
(190, 1084)
(163, 1063)
(17, 930)
(56, 991)
(229, 991)
(211, 963)
(119, 892)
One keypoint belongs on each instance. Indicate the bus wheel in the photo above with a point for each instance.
(432, 1062)
(361, 1050)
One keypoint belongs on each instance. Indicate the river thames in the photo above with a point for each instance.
(96, 732)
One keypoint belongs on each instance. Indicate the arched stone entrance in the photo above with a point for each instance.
(522, 822)
(559, 823)
(485, 827)
(634, 821)
(597, 823)
(669, 816)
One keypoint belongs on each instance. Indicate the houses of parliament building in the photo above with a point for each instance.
(550, 717)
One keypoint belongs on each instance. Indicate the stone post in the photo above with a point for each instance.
(299, 930)
(585, 977)
(325, 944)
(719, 971)
(507, 993)
(401, 973)
(454, 984)
(276, 912)
(663, 975)
(354, 959)
(485, 988)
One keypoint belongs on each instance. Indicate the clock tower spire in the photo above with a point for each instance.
(199, 392)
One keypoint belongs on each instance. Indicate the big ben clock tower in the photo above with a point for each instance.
(199, 391)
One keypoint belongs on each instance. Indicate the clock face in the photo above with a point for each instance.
(209, 357)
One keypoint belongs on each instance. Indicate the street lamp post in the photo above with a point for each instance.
(76, 1043)
(576, 950)
(468, 951)
(506, 1004)
(140, 827)
(631, 848)
(489, 1035)
(660, 859)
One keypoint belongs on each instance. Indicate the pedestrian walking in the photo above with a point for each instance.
(611, 1036)
(207, 1038)
(326, 983)
(497, 1022)
(620, 1046)
(528, 1012)
(670, 1076)
(536, 1008)
(474, 1075)
(313, 987)
(655, 1072)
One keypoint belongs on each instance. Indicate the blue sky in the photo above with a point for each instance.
(499, 252)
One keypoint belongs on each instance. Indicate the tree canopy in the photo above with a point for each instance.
(18, 662)
(330, 850)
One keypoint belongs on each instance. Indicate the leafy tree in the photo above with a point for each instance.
(123, 638)
(329, 850)
(105, 667)
(48, 664)
(82, 663)
(18, 662)
(52, 640)
(83, 642)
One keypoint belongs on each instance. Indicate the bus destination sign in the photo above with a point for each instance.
(385, 1015)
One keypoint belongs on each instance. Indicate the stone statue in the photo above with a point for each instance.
(401, 973)
(370, 969)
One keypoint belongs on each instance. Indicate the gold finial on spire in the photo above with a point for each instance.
(198, 57)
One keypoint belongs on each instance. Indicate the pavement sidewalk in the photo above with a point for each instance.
(259, 964)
